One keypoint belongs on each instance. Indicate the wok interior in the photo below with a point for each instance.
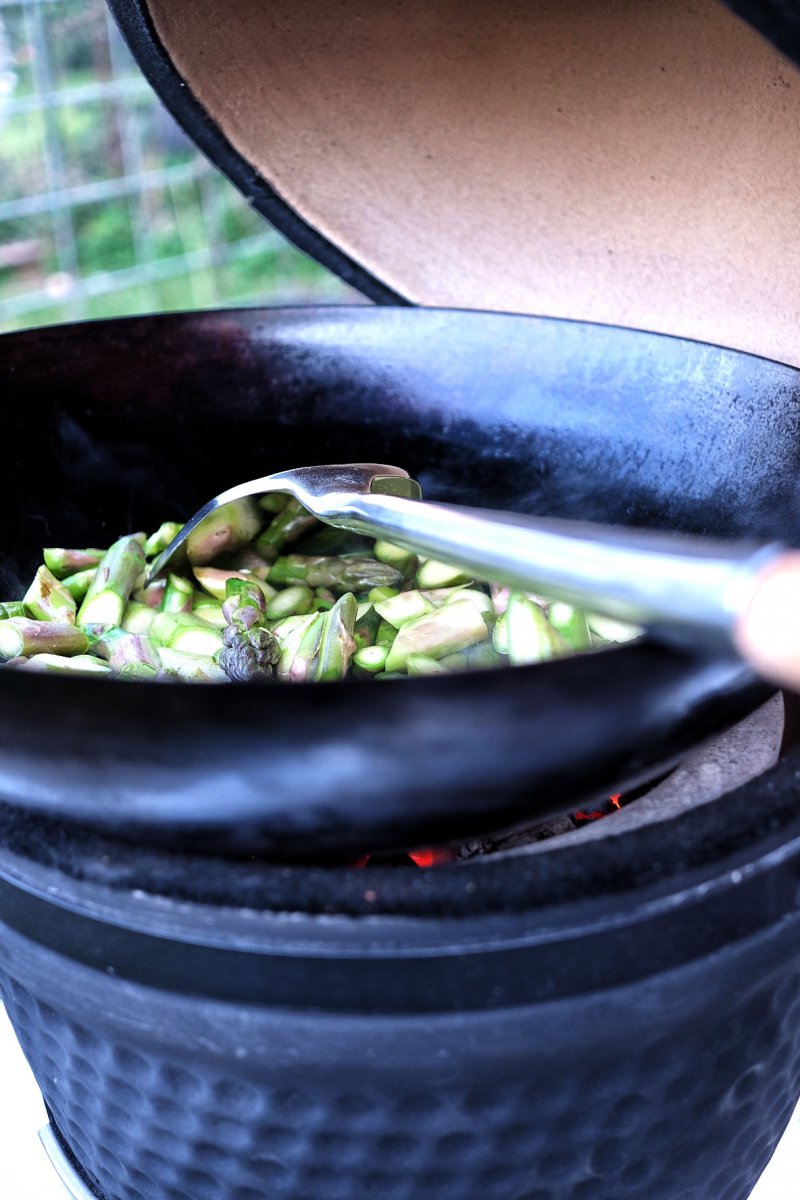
(116, 426)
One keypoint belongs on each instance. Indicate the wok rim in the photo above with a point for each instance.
(749, 691)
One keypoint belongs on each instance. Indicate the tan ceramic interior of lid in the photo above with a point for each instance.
(634, 162)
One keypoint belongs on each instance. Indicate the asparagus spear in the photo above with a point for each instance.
(48, 600)
(295, 599)
(116, 577)
(323, 599)
(423, 664)
(137, 617)
(396, 556)
(370, 659)
(214, 580)
(184, 631)
(11, 608)
(189, 667)
(250, 650)
(287, 526)
(475, 658)
(336, 643)
(178, 595)
(162, 537)
(66, 562)
(340, 574)
(405, 606)
(571, 623)
(366, 626)
(231, 526)
(433, 574)
(298, 646)
(273, 502)
(131, 655)
(530, 637)
(248, 560)
(436, 634)
(608, 630)
(385, 634)
(23, 636)
(80, 664)
(152, 595)
(79, 583)
(205, 608)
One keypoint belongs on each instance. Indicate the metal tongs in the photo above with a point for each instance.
(721, 596)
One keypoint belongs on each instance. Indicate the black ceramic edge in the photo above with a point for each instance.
(133, 20)
(511, 962)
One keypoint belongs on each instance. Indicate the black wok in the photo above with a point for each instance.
(117, 425)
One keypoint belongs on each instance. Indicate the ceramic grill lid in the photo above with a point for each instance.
(605, 160)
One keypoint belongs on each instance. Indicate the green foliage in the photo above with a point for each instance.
(229, 253)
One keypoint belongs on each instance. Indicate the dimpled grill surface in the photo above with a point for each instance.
(676, 1088)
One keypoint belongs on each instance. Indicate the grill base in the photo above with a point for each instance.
(596, 1096)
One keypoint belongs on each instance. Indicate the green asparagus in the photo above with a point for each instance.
(245, 610)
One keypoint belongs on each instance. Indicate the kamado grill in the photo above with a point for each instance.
(219, 1000)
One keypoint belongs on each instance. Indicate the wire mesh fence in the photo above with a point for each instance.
(106, 208)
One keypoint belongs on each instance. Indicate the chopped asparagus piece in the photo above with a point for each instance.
(421, 664)
(295, 599)
(299, 646)
(229, 527)
(287, 526)
(80, 664)
(79, 583)
(48, 600)
(273, 502)
(396, 556)
(479, 657)
(137, 618)
(110, 590)
(159, 540)
(190, 667)
(481, 601)
(132, 656)
(382, 593)
(433, 574)
(529, 636)
(178, 595)
(366, 626)
(405, 606)
(186, 632)
(370, 658)
(385, 634)
(11, 608)
(340, 574)
(23, 636)
(282, 629)
(444, 631)
(250, 649)
(571, 623)
(66, 562)
(336, 644)
(247, 560)
(152, 595)
(214, 580)
(609, 630)
(207, 609)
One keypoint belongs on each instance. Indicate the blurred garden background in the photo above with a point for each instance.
(106, 208)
